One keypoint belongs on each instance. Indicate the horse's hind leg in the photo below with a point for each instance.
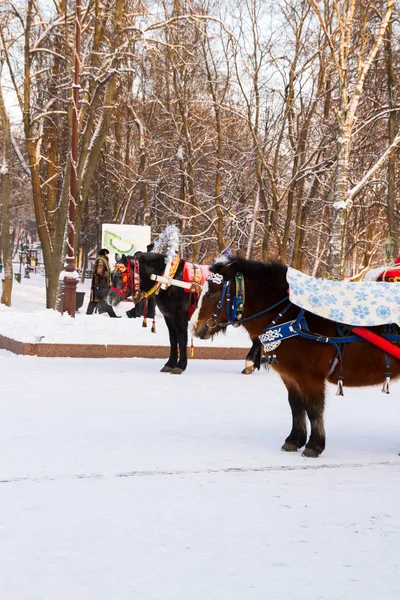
(311, 402)
(253, 358)
(298, 436)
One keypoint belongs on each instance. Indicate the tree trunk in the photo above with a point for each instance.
(391, 192)
(5, 203)
(143, 185)
(340, 209)
(256, 209)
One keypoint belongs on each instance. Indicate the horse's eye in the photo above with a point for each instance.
(210, 294)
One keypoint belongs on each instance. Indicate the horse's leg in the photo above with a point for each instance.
(182, 336)
(298, 436)
(173, 351)
(316, 444)
(314, 402)
(253, 358)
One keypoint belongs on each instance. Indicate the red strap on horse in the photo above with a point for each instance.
(144, 324)
(136, 277)
(377, 340)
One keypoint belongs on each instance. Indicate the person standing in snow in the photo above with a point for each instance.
(100, 285)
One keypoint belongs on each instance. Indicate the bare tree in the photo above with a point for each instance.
(355, 35)
(5, 197)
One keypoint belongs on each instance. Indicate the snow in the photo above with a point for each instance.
(120, 482)
(4, 168)
(28, 321)
(69, 274)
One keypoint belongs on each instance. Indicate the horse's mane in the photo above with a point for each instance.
(252, 269)
(147, 256)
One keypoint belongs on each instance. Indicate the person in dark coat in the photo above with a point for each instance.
(100, 286)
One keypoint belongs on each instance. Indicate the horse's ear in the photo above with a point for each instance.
(150, 248)
(117, 258)
(229, 269)
(123, 260)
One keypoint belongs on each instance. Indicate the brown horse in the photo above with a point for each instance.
(303, 364)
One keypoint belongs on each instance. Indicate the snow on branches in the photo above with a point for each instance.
(4, 168)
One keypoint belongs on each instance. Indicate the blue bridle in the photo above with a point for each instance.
(235, 307)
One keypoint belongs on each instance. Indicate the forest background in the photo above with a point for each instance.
(270, 127)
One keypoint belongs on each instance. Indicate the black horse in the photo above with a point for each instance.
(175, 304)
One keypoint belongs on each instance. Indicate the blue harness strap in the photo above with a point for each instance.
(278, 333)
(273, 335)
(234, 309)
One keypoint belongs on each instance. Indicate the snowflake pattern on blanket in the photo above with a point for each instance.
(352, 303)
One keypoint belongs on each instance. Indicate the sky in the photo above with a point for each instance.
(121, 482)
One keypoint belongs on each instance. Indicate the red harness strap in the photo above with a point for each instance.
(377, 340)
(136, 277)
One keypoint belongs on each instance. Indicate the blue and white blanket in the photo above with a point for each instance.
(353, 303)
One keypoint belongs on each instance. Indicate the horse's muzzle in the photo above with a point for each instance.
(203, 332)
(113, 298)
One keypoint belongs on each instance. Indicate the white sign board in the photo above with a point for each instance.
(124, 239)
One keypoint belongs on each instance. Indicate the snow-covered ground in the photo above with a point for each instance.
(121, 482)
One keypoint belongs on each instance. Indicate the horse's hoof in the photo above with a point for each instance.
(166, 369)
(288, 447)
(248, 367)
(310, 453)
(247, 370)
(176, 371)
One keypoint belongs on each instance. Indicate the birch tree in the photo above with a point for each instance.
(355, 34)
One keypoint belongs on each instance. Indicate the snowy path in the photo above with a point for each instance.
(119, 482)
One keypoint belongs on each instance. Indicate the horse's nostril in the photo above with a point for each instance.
(200, 332)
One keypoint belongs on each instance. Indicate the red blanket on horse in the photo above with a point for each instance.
(392, 273)
(193, 273)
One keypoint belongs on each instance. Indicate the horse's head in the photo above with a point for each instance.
(236, 291)
(131, 276)
(122, 278)
(211, 316)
